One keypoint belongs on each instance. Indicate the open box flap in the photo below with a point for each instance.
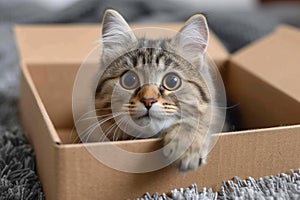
(263, 79)
(275, 59)
(57, 44)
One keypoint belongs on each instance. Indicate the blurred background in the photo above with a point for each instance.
(236, 22)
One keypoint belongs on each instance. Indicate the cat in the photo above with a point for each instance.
(155, 88)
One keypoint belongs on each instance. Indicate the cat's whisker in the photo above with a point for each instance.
(107, 131)
(94, 117)
(171, 106)
(103, 136)
(92, 127)
(83, 116)
(176, 109)
(118, 128)
(103, 110)
(226, 107)
(80, 136)
(127, 104)
(113, 138)
(88, 131)
(130, 107)
(105, 115)
(113, 116)
(187, 103)
(104, 101)
(129, 110)
(99, 109)
(169, 113)
(171, 109)
(88, 128)
(127, 107)
(168, 104)
(76, 137)
(215, 106)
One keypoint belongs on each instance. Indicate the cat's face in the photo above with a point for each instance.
(149, 85)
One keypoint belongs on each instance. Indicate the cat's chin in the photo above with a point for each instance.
(148, 117)
(146, 121)
(149, 127)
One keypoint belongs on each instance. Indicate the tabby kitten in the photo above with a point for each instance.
(155, 88)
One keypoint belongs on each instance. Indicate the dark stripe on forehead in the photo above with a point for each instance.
(134, 61)
(101, 83)
(146, 55)
(159, 56)
(203, 95)
(153, 55)
(144, 59)
(149, 51)
(168, 62)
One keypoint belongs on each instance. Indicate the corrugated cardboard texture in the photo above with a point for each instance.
(69, 171)
(267, 73)
(257, 153)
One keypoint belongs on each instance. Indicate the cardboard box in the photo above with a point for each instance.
(268, 71)
(261, 79)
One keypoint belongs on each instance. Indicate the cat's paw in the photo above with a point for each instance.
(188, 151)
(191, 159)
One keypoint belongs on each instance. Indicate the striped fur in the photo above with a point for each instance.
(181, 116)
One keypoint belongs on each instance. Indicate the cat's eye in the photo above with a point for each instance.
(171, 81)
(129, 80)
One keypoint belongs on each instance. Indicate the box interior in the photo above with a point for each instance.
(54, 83)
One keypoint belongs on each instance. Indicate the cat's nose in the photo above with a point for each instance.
(148, 102)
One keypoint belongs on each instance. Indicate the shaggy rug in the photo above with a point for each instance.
(18, 176)
(282, 186)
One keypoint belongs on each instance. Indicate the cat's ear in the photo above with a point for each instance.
(117, 36)
(192, 40)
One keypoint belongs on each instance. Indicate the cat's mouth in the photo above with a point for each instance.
(148, 116)
(144, 116)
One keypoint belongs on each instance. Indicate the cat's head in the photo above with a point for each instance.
(148, 85)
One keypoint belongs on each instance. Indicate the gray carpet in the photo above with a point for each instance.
(18, 177)
(282, 186)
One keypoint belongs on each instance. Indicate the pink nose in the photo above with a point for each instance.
(148, 102)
